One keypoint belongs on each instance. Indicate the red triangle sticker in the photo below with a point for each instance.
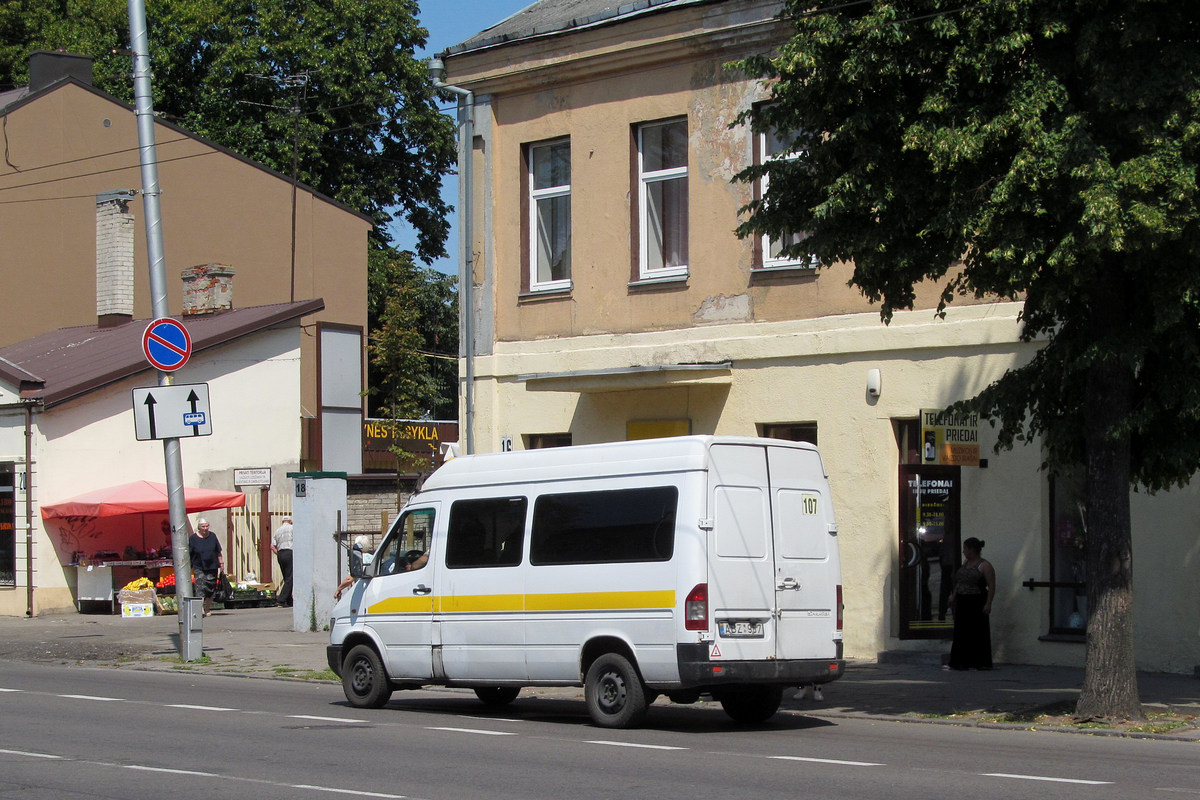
(716, 652)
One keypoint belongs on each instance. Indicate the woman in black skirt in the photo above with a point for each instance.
(971, 600)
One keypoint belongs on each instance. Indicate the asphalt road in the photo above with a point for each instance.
(96, 733)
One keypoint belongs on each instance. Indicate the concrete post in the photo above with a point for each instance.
(318, 508)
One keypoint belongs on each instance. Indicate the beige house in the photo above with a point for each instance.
(610, 299)
(72, 229)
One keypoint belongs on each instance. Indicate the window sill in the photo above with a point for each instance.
(533, 296)
(1069, 638)
(667, 281)
(784, 271)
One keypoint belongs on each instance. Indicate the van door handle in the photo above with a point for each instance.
(787, 583)
(421, 588)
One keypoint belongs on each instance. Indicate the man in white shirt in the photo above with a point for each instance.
(281, 546)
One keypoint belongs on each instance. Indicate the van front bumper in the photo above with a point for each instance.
(333, 654)
(696, 669)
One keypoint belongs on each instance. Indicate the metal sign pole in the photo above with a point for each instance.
(144, 109)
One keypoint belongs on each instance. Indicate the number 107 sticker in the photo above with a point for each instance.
(808, 504)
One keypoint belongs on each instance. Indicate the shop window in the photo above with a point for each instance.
(657, 428)
(540, 441)
(1068, 564)
(791, 431)
(8, 526)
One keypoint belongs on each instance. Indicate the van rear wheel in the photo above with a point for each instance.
(364, 679)
(614, 692)
(751, 703)
(497, 695)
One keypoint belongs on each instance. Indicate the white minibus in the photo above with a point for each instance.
(685, 567)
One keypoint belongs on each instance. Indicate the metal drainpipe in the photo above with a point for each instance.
(29, 509)
(437, 71)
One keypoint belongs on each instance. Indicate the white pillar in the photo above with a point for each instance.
(318, 510)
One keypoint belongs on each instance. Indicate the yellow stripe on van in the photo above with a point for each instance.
(564, 601)
(403, 605)
(599, 601)
(451, 604)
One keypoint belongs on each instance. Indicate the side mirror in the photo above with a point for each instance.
(356, 562)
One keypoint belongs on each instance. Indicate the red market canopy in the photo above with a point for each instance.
(139, 497)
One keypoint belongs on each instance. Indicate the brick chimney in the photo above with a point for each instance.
(207, 289)
(48, 66)
(115, 229)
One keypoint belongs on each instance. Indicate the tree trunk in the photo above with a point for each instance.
(1110, 675)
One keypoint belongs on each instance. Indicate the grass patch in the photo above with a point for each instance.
(306, 674)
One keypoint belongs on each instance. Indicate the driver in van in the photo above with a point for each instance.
(412, 560)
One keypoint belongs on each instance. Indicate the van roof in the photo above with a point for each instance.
(642, 456)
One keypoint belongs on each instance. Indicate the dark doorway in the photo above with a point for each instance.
(930, 544)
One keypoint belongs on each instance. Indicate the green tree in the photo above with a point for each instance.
(413, 349)
(332, 84)
(1040, 150)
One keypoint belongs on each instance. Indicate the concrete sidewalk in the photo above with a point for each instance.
(260, 642)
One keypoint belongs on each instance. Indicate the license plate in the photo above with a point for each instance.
(741, 628)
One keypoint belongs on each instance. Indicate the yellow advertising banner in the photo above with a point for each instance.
(950, 439)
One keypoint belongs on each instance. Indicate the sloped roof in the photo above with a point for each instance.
(75, 361)
(548, 17)
(15, 99)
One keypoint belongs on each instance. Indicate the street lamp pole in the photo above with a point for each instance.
(173, 460)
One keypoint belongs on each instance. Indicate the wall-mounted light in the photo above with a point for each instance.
(874, 383)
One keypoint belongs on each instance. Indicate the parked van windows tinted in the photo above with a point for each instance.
(596, 527)
(486, 533)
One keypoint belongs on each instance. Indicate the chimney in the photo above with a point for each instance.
(207, 289)
(47, 67)
(115, 229)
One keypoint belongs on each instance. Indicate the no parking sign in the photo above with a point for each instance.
(166, 344)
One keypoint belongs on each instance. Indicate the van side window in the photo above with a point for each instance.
(603, 527)
(486, 533)
(404, 549)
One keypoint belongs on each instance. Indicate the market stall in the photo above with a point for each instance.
(115, 535)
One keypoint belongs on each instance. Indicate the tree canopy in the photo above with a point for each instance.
(332, 83)
(413, 350)
(1036, 150)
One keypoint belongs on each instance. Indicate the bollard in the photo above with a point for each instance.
(191, 623)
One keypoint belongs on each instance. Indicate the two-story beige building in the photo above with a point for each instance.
(610, 299)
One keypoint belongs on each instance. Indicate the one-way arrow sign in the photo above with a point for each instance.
(171, 412)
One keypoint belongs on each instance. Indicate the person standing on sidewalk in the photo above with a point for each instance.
(971, 601)
(281, 546)
(207, 562)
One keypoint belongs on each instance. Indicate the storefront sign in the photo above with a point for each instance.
(951, 439)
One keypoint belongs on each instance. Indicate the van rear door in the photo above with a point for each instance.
(773, 558)
(741, 580)
(807, 567)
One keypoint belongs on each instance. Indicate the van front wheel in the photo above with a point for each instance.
(614, 692)
(751, 704)
(364, 679)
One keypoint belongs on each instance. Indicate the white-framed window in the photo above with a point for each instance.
(662, 199)
(772, 147)
(550, 215)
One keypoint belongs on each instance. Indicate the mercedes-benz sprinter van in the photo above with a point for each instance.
(690, 566)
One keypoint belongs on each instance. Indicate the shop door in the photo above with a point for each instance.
(930, 545)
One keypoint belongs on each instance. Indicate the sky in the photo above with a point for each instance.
(450, 22)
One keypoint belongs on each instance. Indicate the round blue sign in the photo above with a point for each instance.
(166, 344)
